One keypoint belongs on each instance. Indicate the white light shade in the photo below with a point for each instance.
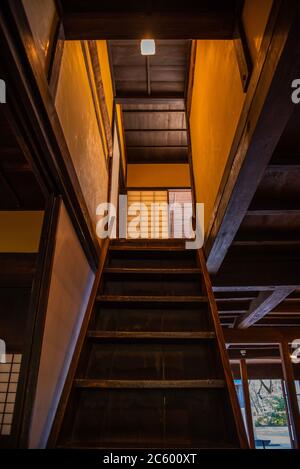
(147, 47)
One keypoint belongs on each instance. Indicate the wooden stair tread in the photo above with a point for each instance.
(120, 445)
(149, 270)
(93, 334)
(205, 405)
(145, 247)
(148, 384)
(152, 298)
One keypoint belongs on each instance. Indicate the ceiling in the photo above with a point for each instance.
(161, 75)
(152, 91)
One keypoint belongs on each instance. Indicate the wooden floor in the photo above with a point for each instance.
(150, 374)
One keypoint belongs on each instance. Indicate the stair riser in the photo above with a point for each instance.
(168, 285)
(152, 360)
(152, 418)
(137, 317)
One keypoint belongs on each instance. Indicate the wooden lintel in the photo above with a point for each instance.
(199, 20)
(242, 53)
(261, 335)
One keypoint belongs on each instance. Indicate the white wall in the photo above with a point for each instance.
(70, 288)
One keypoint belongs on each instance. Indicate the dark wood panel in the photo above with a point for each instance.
(19, 188)
(158, 155)
(17, 270)
(118, 20)
(14, 308)
(154, 118)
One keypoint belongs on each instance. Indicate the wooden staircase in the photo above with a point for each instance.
(153, 370)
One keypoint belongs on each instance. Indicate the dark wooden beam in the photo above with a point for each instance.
(255, 354)
(101, 96)
(95, 97)
(246, 393)
(149, 384)
(292, 399)
(161, 20)
(56, 59)
(262, 305)
(261, 335)
(191, 75)
(139, 100)
(242, 52)
(266, 112)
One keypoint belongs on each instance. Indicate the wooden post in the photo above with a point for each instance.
(289, 379)
(249, 421)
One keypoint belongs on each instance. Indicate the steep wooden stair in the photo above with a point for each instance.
(152, 371)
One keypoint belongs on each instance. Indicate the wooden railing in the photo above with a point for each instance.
(224, 357)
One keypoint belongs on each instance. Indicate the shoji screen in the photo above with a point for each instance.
(151, 217)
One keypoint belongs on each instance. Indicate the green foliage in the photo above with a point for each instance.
(276, 417)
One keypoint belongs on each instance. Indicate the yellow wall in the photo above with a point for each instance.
(158, 175)
(77, 115)
(255, 17)
(43, 19)
(20, 231)
(106, 77)
(217, 101)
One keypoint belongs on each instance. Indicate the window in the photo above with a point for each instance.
(270, 419)
(159, 214)
(9, 377)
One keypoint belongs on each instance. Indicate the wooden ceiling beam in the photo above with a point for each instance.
(115, 20)
(261, 335)
(261, 306)
(264, 119)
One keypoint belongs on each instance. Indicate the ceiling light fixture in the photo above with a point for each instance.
(147, 47)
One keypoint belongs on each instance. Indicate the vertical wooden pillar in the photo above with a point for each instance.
(289, 379)
(249, 421)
